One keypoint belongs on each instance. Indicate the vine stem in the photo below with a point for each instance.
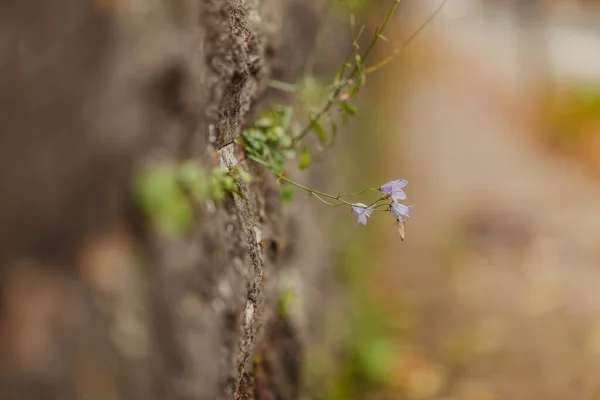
(351, 75)
(397, 50)
(360, 192)
(318, 194)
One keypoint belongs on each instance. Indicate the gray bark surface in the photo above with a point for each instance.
(93, 303)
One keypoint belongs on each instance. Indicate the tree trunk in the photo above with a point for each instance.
(94, 303)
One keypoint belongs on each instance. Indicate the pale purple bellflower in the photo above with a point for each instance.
(362, 212)
(400, 211)
(394, 189)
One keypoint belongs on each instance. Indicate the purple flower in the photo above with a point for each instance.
(362, 212)
(400, 211)
(394, 189)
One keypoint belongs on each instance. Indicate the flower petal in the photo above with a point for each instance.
(400, 210)
(358, 208)
(362, 219)
(400, 183)
(398, 194)
(362, 212)
(387, 188)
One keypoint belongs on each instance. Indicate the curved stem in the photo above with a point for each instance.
(358, 193)
(318, 194)
(396, 51)
(355, 70)
(312, 191)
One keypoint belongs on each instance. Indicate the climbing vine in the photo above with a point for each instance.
(277, 139)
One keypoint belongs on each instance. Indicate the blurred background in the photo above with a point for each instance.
(492, 113)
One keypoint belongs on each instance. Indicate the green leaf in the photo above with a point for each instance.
(285, 299)
(339, 75)
(244, 175)
(287, 194)
(229, 183)
(223, 182)
(286, 141)
(319, 130)
(278, 132)
(216, 185)
(358, 59)
(348, 108)
(288, 112)
(264, 122)
(290, 154)
(193, 177)
(304, 158)
(277, 166)
(158, 192)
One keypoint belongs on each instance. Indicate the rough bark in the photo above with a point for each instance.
(93, 303)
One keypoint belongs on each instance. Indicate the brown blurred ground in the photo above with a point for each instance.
(499, 273)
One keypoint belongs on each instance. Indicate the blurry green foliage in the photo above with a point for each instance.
(368, 349)
(269, 139)
(287, 194)
(572, 111)
(158, 192)
(286, 296)
(166, 192)
(368, 354)
(269, 142)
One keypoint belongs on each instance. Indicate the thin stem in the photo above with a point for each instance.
(355, 70)
(375, 202)
(296, 184)
(325, 201)
(318, 194)
(386, 205)
(359, 193)
(311, 59)
(408, 40)
(312, 191)
(380, 31)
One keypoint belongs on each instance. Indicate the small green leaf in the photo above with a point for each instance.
(264, 122)
(339, 75)
(193, 177)
(285, 299)
(278, 132)
(159, 194)
(348, 108)
(277, 166)
(229, 183)
(319, 130)
(287, 194)
(360, 67)
(288, 112)
(216, 186)
(245, 176)
(290, 154)
(286, 141)
(304, 158)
